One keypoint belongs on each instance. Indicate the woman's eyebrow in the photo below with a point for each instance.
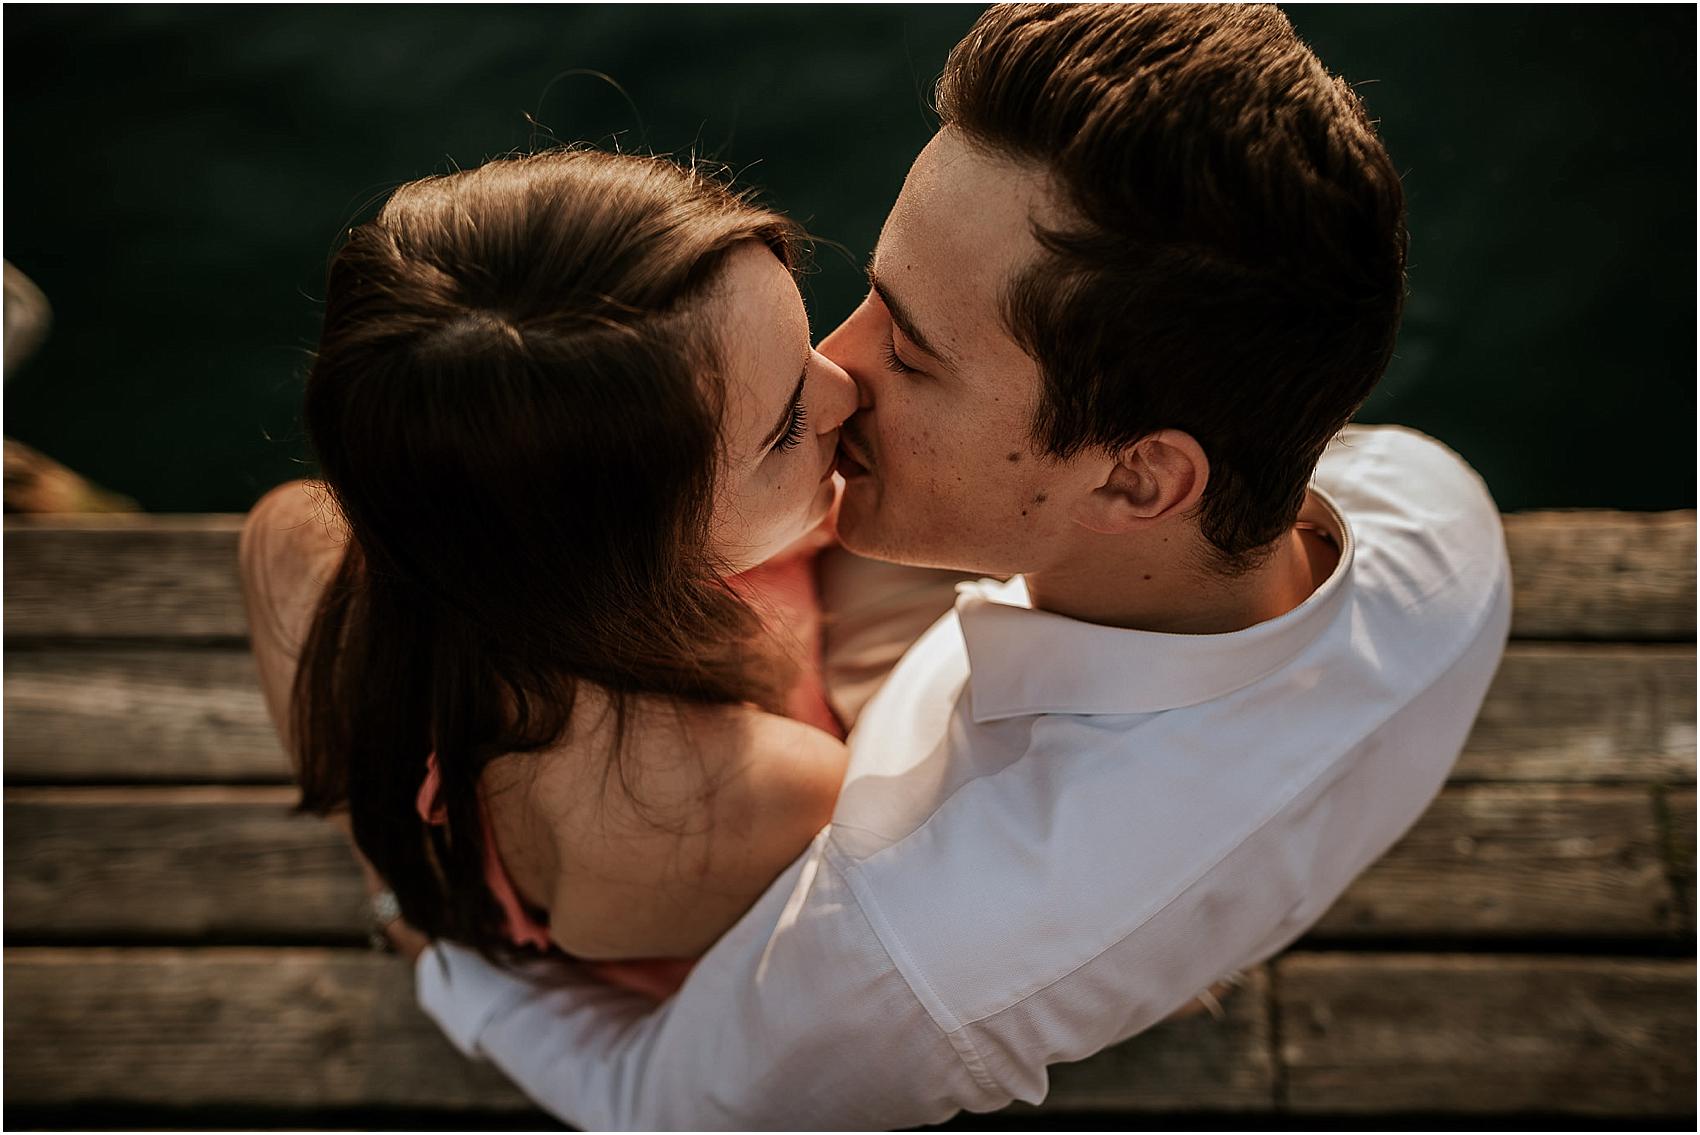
(905, 323)
(785, 414)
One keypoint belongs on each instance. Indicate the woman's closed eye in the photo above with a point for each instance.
(796, 429)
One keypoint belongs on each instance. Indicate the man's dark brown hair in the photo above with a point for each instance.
(1234, 264)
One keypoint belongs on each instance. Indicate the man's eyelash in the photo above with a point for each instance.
(891, 359)
(797, 430)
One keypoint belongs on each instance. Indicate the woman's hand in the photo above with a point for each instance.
(407, 941)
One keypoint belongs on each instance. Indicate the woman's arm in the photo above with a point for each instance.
(290, 547)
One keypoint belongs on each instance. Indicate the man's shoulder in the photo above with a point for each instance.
(1428, 540)
(1396, 470)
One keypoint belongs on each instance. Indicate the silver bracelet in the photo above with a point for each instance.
(383, 909)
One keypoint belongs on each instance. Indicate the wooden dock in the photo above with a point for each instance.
(182, 951)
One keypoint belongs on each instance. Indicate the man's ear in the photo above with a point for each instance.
(1158, 477)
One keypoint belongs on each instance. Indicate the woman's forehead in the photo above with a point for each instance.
(764, 345)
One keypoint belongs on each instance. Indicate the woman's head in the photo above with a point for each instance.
(551, 361)
(542, 401)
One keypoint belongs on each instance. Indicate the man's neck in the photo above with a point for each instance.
(1155, 583)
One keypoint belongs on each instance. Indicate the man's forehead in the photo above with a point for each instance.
(960, 230)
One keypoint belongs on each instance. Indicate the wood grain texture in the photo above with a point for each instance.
(1518, 861)
(1583, 574)
(1368, 1033)
(1590, 713)
(181, 864)
(1595, 713)
(330, 1028)
(1598, 574)
(123, 576)
(1678, 807)
(1361, 1034)
(1196, 1064)
(233, 864)
(287, 1028)
(138, 715)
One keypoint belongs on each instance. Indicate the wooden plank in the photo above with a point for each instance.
(138, 715)
(234, 864)
(1195, 1064)
(1593, 574)
(1597, 574)
(1518, 861)
(1678, 810)
(1596, 713)
(1462, 1034)
(123, 576)
(285, 1028)
(182, 864)
(1361, 1034)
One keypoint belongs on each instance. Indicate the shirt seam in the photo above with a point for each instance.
(960, 1043)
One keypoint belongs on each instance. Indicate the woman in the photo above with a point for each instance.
(562, 405)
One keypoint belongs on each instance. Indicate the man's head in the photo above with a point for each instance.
(1152, 262)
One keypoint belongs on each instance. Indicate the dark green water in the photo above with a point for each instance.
(176, 177)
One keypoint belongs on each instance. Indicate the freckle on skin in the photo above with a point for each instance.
(1014, 457)
(1148, 578)
(1023, 512)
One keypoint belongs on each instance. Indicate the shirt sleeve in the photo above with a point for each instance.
(796, 1019)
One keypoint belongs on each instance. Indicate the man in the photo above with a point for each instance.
(1124, 305)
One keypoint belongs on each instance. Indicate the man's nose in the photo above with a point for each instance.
(852, 347)
(839, 396)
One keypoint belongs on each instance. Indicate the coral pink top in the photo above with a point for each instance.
(784, 589)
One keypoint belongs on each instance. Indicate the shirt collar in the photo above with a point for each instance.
(1025, 662)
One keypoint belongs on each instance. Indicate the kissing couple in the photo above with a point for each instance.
(741, 733)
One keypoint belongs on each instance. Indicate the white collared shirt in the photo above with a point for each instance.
(1051, 835)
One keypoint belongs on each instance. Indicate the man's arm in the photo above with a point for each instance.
(796, 1018)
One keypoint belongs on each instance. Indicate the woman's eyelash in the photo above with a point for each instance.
(797, 430)
(891, 359)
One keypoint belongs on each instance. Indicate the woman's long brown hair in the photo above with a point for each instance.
(515, 407)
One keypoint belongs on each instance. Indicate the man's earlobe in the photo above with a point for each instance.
(1159, 477)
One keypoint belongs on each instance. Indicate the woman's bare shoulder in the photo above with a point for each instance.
(662, 848)
(290, 546)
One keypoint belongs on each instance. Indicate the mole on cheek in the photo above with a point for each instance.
(1013, 457)
(1147, 579)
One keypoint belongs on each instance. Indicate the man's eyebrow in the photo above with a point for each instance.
(785, 414)
(905, 323)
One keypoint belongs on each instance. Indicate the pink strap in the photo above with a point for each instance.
(430, 811)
